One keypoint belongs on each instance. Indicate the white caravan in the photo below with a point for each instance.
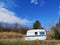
(36, 34)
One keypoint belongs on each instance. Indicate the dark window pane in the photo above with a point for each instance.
(35, 33)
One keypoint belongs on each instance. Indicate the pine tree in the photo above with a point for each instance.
(37, 25)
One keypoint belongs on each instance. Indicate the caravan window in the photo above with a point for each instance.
(35, 33)
(42, 33)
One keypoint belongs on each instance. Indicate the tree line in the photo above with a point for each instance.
(55, 30)
(18, 28)
(13, 28)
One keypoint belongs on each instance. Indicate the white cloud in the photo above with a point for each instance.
(40, 2)
(59, 6)
(34, 1)
(11, 4)
(8, 16)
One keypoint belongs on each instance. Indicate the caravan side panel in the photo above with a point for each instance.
(39, 35)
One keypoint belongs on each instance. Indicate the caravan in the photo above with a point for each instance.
(36, 34)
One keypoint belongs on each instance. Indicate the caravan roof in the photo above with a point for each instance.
(36, 30)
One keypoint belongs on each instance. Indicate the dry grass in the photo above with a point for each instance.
(13, 38)
(10, 35)
(20, 42)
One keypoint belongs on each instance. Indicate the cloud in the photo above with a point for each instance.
(34, 1)
(8, 16)
(40, 2)
(11, 4)
(59, 6)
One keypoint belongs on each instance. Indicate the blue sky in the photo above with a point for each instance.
(26, 12)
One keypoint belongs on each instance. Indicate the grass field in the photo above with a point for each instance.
(13, 38)
(22, 42)
(4, 35)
